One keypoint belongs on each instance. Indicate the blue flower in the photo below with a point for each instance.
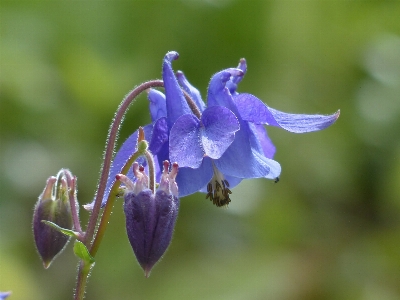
(221, 144)
(251, 153)
(218, 127)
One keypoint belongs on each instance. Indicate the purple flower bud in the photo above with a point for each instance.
(150, 218)
(53, 205)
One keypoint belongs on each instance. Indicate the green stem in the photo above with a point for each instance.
(83, 271)
(83, 274)
(109, 205)
(112, 136)
(94, 243)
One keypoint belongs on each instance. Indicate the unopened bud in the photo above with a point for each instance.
(53, 205)
(150, 218)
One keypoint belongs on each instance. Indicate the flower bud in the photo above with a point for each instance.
(53, 205)
(150, 218)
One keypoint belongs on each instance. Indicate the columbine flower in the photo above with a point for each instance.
(250, 155)
(217, 130)
(224, 143)
(150, 218)
(239, 161)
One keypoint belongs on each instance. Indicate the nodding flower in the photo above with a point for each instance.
(216, 145)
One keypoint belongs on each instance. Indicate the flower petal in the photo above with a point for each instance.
(176, 102)
(235, 79)
(184, 142)
(241, 160)
(254, 110)
(260, 140)
(157, 104)
(190, 180)
(159, 135)
(191, 90)
(218, 93)
(218, 133)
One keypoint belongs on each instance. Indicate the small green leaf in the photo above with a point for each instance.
(68, 232)
(82, 252)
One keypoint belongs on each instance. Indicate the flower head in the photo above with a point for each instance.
(150, 217)
(219, 144)
(250, 154)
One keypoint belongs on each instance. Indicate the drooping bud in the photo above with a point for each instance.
(53, 205)
(150, 218)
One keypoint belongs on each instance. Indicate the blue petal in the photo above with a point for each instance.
(235, 79)
(254, 110)
(241, 160)
(218, 93)
(176, 103)
(184, 142)
(233, 181)
(191, 90)
(157, 104)
(218, 133)
(260, 140)
(159, 135)
(190, 180)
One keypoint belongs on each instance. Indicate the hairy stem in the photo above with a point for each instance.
(83, 270)
(109, 205)
(94, 243)
(112, 136)
(83, 274)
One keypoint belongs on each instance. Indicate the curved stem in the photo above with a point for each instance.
(83, 270)
(112, 136)
(113, 131)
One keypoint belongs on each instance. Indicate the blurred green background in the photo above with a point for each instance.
(330, 229)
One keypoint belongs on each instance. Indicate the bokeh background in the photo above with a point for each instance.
(330, 229)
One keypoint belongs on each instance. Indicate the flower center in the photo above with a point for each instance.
(218, 189)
